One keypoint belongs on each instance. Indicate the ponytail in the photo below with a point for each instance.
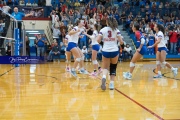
(112, 23)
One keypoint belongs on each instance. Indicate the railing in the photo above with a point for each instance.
(15, 26)
(49, 33)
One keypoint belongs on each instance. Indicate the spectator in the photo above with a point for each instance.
(77, 4)
(9, 2)
(40, 45)
(173, 41)
(84, 51)
(177, 21)
(28, 3)
(56, 33)
(27, 46)
(8, 51)
(63, 47)
(56, 51)
(65, 19)
(18, 16)
(166, 37)
(117, 16)
(54, 16)
(123, 19)
(45, 46)
(178, 46)
(21, 3)
(82, 40)
(128, 52)
(49, 58)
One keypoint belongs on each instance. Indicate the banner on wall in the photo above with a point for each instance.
(21, 60)
(38, 12)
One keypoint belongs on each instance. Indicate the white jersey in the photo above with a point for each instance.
(68, 38)
(109, 39)
(75, 37)
(94, 37)
(163, 41)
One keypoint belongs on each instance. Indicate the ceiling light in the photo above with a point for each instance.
(32, 31)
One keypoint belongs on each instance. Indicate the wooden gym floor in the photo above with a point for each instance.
(47, 92)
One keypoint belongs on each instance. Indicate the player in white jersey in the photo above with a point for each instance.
(161, 53)
(95, 49)
(72, 47)
(110, 36)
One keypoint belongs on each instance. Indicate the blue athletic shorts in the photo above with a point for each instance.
(162, 48)
(70, 46)
(143, 50)
(110, 54)
(96, 47)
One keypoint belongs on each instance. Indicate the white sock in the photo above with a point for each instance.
(73, 69)
(130, 73)
(104, 76)
(172, 68)
(159, 72)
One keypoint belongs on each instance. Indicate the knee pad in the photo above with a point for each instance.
(164, 63)
(94, 62)
(78, 59)
(132, 64)
(157, 62)
(82, 58)
(113, 69)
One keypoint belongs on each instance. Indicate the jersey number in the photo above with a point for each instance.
(109, 34)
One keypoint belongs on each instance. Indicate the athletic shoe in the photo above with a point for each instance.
(83, 72)
(73, 73)
(67, 69)
(111, 86)
(124, 73)
(94, 74)
(127, 76)
(103, 84)
(157, 76)
(175, 72)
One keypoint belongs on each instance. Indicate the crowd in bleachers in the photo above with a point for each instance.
(146, 12)
(66, 15)
(152, 12)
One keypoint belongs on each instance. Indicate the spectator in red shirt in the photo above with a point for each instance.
(173, 41)
(63, 8)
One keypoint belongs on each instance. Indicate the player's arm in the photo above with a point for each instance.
(99, 38)
(65, 41)
(157, 42)
(73, 31)
(142, 43)
(121, 41)
(90, 36)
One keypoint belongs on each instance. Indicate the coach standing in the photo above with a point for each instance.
(18, 16)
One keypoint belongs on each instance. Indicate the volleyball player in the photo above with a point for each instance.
(161, 53)
(72, 47)
(95, 49)
(110, 51)
(141, 50)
